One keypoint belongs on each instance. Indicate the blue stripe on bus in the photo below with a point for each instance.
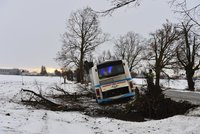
(110, 99)
(99, 85)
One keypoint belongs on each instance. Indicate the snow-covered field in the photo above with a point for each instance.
(174, 84)
(19, 119)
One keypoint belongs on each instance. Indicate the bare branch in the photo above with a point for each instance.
(129, 47)
(116, 5)
(183, 8)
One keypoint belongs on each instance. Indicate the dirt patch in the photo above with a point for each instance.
(159, 107)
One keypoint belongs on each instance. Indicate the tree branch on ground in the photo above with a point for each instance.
(33, 98)
(59, 89)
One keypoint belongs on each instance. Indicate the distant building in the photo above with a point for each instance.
(10, 71)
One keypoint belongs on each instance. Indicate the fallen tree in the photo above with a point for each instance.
(35, 99)
(84, 102)
(137, 109)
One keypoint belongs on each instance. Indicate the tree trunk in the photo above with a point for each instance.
(157, 89)
(81, 68)
(189, 75)
(64, 80)
(157, 78)
(81, 72)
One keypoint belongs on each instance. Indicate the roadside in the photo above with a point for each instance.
(177, 95)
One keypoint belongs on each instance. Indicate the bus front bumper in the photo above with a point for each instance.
(127, 95)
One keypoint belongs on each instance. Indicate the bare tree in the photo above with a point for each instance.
(43, 71)
(188, 52)
(129, 48)
(162, 49)
(106, 55)
(189, 9)
(83, 36)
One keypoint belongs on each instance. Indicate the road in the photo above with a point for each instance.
(193, 97)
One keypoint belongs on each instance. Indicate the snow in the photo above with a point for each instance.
(174, 84)
(16, 118)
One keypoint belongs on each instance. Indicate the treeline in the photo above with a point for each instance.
(171, 49)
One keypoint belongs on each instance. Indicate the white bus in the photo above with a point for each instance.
(111, 80)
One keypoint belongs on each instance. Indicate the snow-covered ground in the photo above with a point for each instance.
(174, 84)
(20, 119)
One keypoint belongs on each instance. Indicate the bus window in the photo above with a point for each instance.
(109, 71)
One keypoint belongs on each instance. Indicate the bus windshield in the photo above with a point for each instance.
(110, 69)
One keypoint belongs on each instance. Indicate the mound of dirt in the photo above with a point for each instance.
(159, 107)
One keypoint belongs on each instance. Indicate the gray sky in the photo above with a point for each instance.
(30, 29)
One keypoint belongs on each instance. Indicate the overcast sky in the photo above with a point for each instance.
(30, 29)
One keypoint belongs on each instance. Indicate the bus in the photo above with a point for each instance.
(111, 80)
